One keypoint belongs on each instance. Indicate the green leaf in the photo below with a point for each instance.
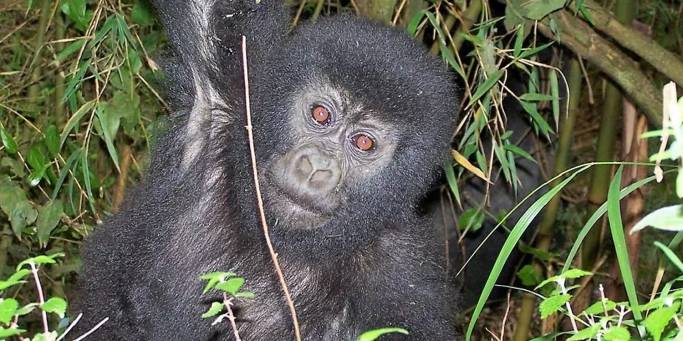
(142, 13)
(374, 334)
(52, 140)
(555, 92)
(75, 120)
(529, 276)
(411, 28)
(598, 308)
(48, 218)
(536, 9)
(669, 218)
(77, 11)
(486, 85)
(586, 333)
(451, 180)
(70, 49)
(215, 309)
(214, 278)
(55, 305)
(27, 309)
(48, 336)
(553, 304)
(471, 220)
(16, 206)
(245, 294)
(536, 97)
(617, 231)
(670, 255)
(7, 332)
(585, 229)
(8, 307)
(617, 333)
(575, 273)
(509, 245)
(16, 278)
(656, 322)
(8, 141)
(38, 260)
(231, 286)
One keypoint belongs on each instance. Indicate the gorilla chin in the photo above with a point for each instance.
(290, 213)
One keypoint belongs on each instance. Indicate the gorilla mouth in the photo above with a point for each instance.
(293, 212)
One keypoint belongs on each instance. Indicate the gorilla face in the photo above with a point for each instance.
(336, 143)
(344, 129)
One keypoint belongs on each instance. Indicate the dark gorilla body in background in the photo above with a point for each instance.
(373, 262)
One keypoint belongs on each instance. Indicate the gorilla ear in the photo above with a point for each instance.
(205, 37)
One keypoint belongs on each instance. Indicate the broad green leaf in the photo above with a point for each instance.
(586, 333)
(575, 273)
(529, 276)
(471, 220)
(536, 9)
(598, 308)
(553, 304)
(374, 334)
(8, 307)
(48, 218)
(215, 309)
(142, 14)
(55, 305)
(617, 333)
(77, 11)
(7, 141)
(231, 286)
(656, 322)
(214, 278)
(52, 140)
(7, 332)
(669, 218)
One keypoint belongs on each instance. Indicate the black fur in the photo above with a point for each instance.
(374, 263)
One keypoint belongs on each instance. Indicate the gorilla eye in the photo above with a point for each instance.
(363, 142)
(321, 115)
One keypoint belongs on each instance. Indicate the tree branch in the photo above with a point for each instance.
(663, 60)
(580, 38)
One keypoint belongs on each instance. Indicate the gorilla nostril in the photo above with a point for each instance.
(304, 166)
(321, 177)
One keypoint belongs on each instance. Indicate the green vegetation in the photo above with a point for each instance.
(81, 100)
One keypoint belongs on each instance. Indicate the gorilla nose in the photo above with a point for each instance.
(315, 172)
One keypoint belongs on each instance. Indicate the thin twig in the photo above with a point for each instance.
(259, 198)
(96, 327)
(227, 302)
(41, 298)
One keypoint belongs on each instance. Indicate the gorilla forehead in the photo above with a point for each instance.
(379, 68)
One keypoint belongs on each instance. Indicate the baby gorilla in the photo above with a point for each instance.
(351, 122)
